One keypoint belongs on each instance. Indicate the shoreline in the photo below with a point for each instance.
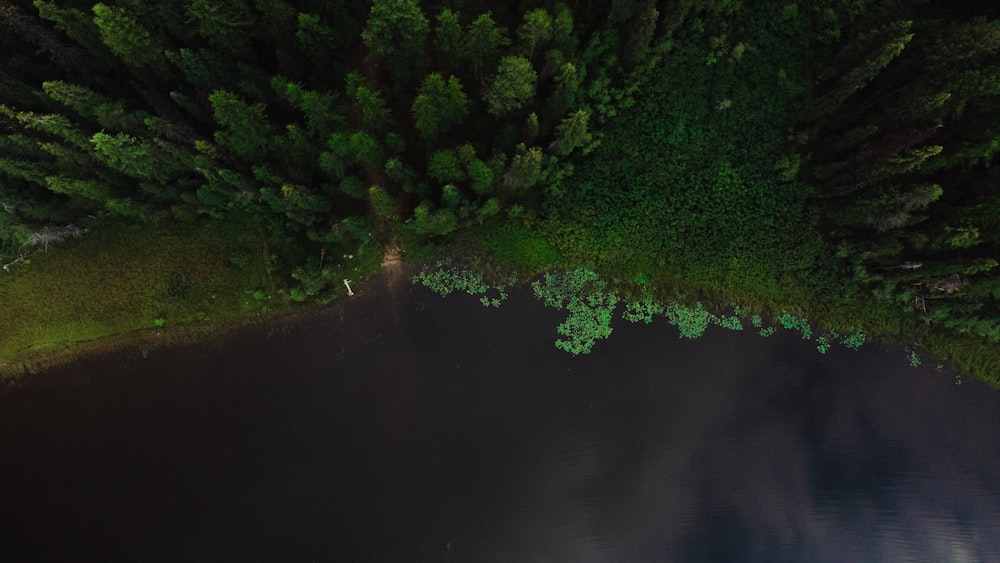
(386, 280)
(380, 287)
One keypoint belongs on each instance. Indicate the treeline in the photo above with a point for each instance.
(343, 126)
(899, 137)
(335, 123)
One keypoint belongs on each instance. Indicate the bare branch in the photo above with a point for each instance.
(53, 235)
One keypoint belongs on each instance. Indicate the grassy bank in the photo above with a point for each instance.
(169, 279)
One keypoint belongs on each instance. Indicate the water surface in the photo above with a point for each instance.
(404, 427)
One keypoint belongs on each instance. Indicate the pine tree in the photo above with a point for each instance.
(245, 128)
(381, 202)
(18, 93)
(512, 87)
(531, 127)
(110, 114)
(525, 169)
(489, 208)
(445, 167)
(436, 223)
(449, 41)
(22, 170)
(315, 38)
(93, 190)
(572, 133)
(562, 29)
(484, 41)
(134, 43)
(126, 154)
(365, 150)
(53, 124)
(397, 31)
(536, 30)
(225, 24)
(886, 43)
(320, 109)
(369, 103)
(439, 105)
(76, 24)
(481, 176)
(451, 196)
(567, 89)
(277, 20)
(205, 69)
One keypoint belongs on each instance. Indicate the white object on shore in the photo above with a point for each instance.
(347, 283)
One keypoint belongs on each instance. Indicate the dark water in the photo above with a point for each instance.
(419, 429)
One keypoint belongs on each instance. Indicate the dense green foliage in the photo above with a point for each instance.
(830, 158)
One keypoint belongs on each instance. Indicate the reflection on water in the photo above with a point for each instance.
(462, 434)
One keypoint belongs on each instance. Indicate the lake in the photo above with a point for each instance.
(405, 427)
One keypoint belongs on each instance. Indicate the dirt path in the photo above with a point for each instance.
(392, 266)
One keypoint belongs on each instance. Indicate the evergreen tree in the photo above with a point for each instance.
(451, 196)
(77, 25)
(93, 190)
(489, 208)
(536, 30)
(445, 167)
(134, 43)
(320, 109)
(204, 69)
(53, 124)
(225, 24)
(369, 103)
(512, 87)
(108, 113)
(245, 128)
(481, 176)
(484, 41)
(128, 155)
(315, 38)
(397, 31)
(572, 133)
(525, 169)
(365, 150)
(562, 29)
(433, 223)
(449, 41)
(887, 43)
(381, 202)
(439, 105)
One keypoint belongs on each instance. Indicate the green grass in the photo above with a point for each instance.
(127, 278)
(521, 247)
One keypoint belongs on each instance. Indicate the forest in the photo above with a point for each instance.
(823, 165)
